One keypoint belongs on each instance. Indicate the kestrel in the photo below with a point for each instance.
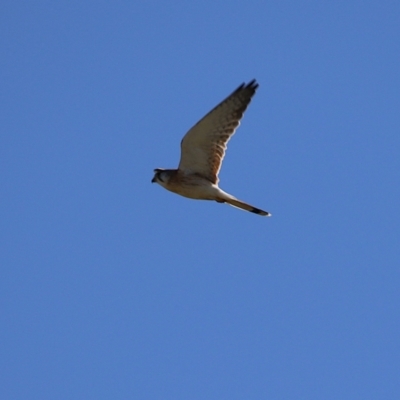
(203, 149)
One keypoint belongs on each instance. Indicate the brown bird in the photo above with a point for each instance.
(203, 149)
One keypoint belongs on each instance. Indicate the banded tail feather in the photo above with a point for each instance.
(247, 207)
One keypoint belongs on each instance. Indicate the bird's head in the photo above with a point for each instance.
(161, 176)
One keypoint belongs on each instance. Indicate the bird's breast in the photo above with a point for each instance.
(193, 187)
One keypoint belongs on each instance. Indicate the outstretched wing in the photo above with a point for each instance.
(203, 147)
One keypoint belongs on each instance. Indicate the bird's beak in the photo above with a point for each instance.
(153, 180)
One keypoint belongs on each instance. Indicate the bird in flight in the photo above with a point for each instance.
(203, 149)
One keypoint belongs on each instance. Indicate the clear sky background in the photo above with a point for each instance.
(114, 288)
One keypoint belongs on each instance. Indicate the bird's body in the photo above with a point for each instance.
(203, 149)
(189, 185)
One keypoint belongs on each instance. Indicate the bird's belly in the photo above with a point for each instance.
(195, 191)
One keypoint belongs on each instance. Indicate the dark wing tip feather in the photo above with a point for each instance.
(252, 85)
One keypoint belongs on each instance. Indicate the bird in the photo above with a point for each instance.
(203, 149)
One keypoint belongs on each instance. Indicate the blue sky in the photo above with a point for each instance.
(113, 288)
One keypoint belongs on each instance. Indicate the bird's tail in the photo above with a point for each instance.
(244, 206)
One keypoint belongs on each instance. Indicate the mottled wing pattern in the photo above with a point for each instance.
(203, 147)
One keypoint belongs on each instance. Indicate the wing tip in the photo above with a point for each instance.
(252, 85)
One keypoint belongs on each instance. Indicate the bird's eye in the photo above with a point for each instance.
(159, 176)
